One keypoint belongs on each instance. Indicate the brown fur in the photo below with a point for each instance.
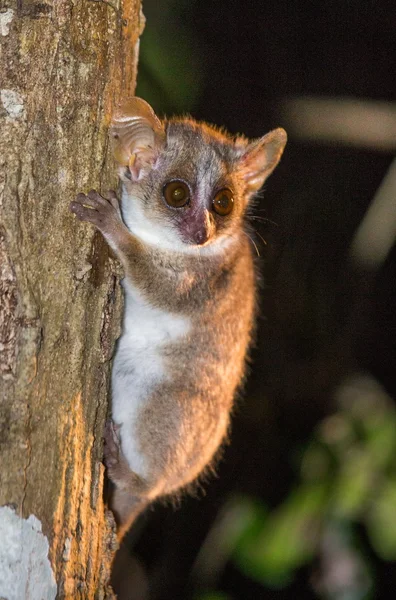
(185, 416)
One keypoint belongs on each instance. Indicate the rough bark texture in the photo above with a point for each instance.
(63, 65)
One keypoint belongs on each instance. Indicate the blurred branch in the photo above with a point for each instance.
(348, 121)
(377, 232)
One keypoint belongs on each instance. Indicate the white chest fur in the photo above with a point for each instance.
(138, 366)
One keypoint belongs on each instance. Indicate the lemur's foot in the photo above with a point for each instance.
(112, 446)
(102, 212)
(117, 466)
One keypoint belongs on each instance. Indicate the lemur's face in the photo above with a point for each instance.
(186, 184)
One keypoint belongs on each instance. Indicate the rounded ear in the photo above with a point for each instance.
(136, 136)
(261, 157)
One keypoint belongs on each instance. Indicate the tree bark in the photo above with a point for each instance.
(63, 66)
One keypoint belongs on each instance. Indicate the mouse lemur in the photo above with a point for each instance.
(189, 286)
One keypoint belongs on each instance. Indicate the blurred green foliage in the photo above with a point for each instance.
(346, 479)
(272, 546)
(170, 66)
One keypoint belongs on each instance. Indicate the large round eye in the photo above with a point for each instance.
(176, 193)
(223, 202)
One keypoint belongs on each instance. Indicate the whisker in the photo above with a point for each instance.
(253, 242)
(261, 238)
(262, 219)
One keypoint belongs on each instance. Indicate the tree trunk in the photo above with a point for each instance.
(64, 64)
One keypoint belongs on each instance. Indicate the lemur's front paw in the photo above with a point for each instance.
(104, 213)
(112, 445)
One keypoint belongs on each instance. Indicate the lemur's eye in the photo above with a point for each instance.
(176, 193)
(223, 202)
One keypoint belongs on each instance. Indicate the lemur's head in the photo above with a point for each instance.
(187, 184)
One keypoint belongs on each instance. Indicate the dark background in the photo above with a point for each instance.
(233, 64)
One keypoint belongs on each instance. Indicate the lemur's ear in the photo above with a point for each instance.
(261, 157)
(137, 135)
